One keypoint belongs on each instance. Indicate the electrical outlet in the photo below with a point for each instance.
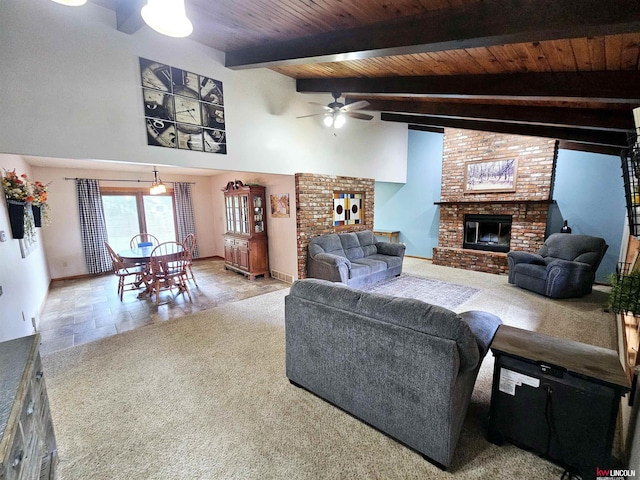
(3, 236)
(0, 291)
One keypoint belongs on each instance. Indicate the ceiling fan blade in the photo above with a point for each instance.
(359, 116)
(321, 105)
(356, 105)
(312, 115)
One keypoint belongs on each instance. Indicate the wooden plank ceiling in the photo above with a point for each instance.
(563, 69)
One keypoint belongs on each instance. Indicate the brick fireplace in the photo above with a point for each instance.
(527, 205)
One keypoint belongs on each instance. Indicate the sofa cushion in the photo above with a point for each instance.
(530, 276)
(351, 246)
(575, 248)
(367, 242)
(390, 261)
(373, 264)
(329, 243)
(404, 312)
(359, 270)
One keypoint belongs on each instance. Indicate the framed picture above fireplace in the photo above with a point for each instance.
(491, 176)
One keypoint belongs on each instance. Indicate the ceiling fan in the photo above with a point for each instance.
(336, 112)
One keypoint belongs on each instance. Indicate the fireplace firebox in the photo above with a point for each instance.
(487, 232)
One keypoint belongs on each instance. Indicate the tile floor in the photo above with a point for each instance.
(82, 310)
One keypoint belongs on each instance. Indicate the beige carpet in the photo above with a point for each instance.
(206, 397)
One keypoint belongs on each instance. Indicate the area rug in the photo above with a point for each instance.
(435, 292)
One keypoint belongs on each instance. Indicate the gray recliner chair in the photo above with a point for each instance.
(565, 266)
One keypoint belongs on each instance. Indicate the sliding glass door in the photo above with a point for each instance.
(130, 212)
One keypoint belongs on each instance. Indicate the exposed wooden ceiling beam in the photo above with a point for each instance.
(614, 139)
(606, 120)
(605, 87)
(478, 24)
(128, 18)
(426, 128)
(589, 147)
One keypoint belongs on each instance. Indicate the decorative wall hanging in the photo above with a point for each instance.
(39, 205)
(347, 208)
(182, 109)
(16, 191)
(491, 176)
(280, 205)
(26, 204)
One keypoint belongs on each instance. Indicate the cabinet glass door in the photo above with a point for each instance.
(236, 214)
(229, 213)
(258, 214)
(244, 214)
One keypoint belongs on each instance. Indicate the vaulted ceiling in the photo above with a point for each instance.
(564, 69)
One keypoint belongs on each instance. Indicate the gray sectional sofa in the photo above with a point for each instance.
(355, 258)
(403, 366)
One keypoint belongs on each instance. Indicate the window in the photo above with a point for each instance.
(131, 211)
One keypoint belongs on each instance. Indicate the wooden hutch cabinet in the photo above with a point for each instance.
(245, 240)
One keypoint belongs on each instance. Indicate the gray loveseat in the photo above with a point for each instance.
(403, 366)
(355, 258)
(564, 267)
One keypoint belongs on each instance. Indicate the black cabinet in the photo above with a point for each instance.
(556, 397)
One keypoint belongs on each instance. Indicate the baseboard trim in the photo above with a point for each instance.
(419, 258)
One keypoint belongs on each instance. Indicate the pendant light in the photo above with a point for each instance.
(71, 3)
(167, 17)
(157, 187)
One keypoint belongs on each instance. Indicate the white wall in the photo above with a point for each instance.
(71, 89)
(24, 281)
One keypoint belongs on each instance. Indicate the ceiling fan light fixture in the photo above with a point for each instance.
(328, 120)
(167, 17)
(71, 3)
(157, 187)
(339, 120)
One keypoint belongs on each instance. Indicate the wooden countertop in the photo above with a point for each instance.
(597, 363)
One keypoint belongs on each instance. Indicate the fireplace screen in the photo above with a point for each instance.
(487, 232)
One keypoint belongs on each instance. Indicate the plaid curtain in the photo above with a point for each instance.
(184, 212)
(92, 226)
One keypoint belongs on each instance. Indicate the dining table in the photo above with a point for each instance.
(137, 254)
(142, 256)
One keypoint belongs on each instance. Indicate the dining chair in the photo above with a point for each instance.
(189, 244)
(168, 263)
(123, 271)
(143, 240)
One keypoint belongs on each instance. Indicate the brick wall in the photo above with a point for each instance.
(314, 201)
(528, 205)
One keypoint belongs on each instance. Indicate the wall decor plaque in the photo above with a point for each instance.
(347, 208)
(182, 109)
(280, 205)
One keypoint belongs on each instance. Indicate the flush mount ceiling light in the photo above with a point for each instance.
(71, 3)
(167, 17)
(157, 187)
